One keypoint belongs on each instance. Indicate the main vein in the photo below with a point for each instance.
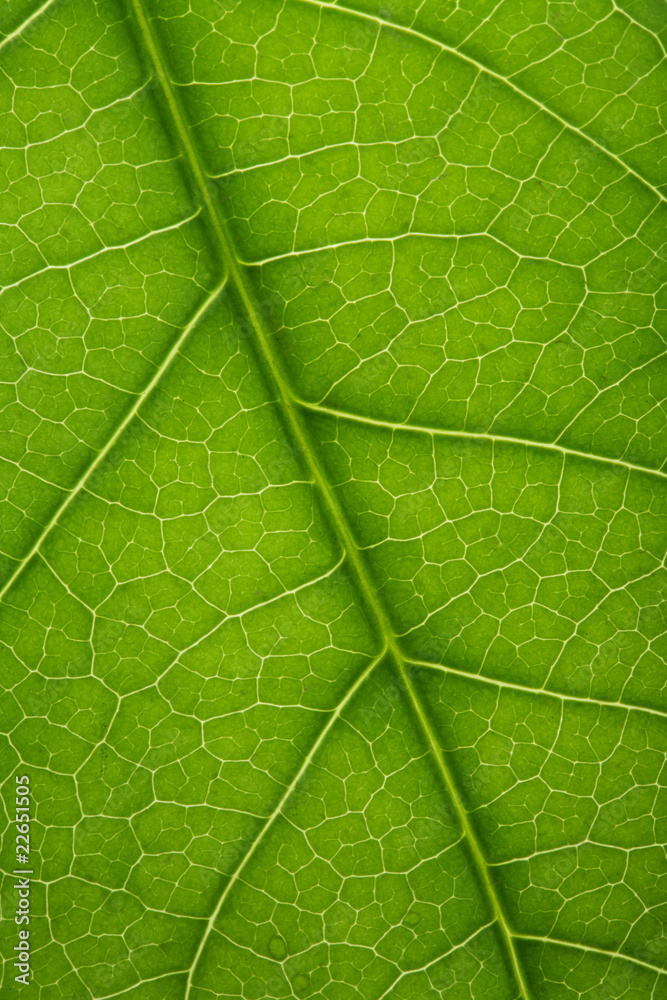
(241, 287)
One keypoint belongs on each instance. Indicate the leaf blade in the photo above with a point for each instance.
(185, 570)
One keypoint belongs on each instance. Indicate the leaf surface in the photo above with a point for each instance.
(333, 457)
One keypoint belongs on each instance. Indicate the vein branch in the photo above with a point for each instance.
(101, 455)
(26, 24)
(270, 820)
(559, 695)
(422, 36)
(479, 436)
(606, 952)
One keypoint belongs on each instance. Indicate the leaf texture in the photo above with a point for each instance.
(333, 449)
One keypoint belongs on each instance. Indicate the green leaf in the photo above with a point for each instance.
(334, 472)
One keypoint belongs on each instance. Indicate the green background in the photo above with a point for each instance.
(333, 464)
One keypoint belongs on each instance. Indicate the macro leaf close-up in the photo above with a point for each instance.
(333, 481)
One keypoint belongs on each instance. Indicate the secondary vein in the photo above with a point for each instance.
(21, 28)
(414, 33)
(101, 455)
(270, 820)
(606, 952)
(480, 436)
(623, 706)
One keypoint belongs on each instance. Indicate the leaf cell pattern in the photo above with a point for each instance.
(334, 524)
